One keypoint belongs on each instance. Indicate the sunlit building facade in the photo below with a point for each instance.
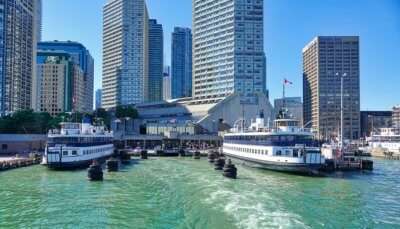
(60, 86)
(228, 50)
(18, 33)
(325, 60)
(125, 53)
(83, 59)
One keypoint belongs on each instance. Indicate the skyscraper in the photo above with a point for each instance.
(228, 50)
(167, 83)
(181, 63)
(17, 52)
(38, 20)
(81, 57)
(60, 83)
(156, 61)
(125, 53)
(325, 60)
(98, 98)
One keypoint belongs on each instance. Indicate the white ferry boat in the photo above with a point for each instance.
(286, 147)
(76, 145)
(388, 140)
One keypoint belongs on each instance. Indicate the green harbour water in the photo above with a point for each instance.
(187, 193)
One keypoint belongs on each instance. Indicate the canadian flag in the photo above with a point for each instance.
(287, 82)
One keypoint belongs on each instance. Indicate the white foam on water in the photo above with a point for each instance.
(253, 207)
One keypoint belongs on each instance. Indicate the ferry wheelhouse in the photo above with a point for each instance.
(76, 145)
(285, 147)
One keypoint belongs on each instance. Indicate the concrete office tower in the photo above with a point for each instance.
(60, 83)
(98, 98)
(166, 87)
(293, 105)
(181, 61)
(82, 58)
(156, 61)
(37, 38)
(228, 56)
(17, 52)
(125, 53)
(325, 60)
(38, 20)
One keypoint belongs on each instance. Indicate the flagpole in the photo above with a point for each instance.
(283, 93)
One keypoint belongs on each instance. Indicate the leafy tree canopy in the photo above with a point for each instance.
(126, 112)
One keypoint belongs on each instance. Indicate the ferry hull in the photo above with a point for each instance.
(75, 164)
(295, 168)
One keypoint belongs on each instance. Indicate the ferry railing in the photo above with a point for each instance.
(273, 143)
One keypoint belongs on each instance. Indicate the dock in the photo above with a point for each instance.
(8, 163)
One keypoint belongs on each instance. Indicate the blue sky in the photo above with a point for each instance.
(289, 26)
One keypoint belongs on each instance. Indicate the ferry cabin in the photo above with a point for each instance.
(75, 148)
(288, 148)
(388, 139)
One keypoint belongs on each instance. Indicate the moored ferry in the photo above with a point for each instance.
(286, 147)
(388, 139)
(76, 145)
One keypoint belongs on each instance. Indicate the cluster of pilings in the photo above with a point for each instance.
(95, 171)
(19, 163)
(196, 155)
(220, 164)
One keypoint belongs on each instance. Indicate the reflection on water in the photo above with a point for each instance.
(185, 193)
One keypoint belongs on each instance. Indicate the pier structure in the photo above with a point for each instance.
(7, 163)
(169, 142)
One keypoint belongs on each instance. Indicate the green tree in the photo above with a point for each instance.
(101, 116)
(25, 122)
(126, 112)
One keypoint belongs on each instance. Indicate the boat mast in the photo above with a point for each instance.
(342, 110)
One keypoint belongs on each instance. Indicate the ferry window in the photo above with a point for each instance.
(290, 138)
(65, 153)
(4, 146)
(295, 153)
(278, 153)
(74, 153)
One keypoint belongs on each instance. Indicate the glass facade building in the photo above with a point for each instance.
(181, 85)
(125, 53)
(325, 60)
(156, 61)
(81, 57)
(17, 52)
(98, 98)
(228, 46)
